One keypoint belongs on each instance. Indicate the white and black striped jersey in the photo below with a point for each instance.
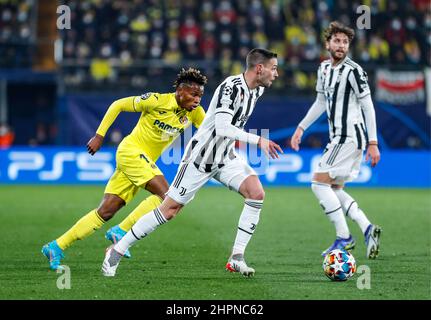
(233, 97)
(343, 86)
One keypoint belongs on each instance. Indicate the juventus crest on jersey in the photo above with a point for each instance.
(343, 86)
(232, 96)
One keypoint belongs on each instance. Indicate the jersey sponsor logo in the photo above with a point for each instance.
(167, 127)
(145, 96)
(329, 93)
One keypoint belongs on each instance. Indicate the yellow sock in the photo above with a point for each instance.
(149, 204)
(81, 229)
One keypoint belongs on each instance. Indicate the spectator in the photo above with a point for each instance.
(7, 136)
(171, 30)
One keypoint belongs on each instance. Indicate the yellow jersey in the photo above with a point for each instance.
(162, 120)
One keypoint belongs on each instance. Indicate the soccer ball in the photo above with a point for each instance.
(339, 265)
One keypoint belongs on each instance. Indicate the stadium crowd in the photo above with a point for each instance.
(16, 35)
(218, 34)
(116, 40)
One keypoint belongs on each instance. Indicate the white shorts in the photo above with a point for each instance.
(341, 161)
(189, 179)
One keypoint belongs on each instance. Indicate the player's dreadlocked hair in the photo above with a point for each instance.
(338, 27)
(189, 76)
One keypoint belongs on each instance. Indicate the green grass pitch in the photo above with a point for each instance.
(185, 258)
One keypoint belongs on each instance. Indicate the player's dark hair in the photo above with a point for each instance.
(190, 76)
(259, 56)
(337, 27)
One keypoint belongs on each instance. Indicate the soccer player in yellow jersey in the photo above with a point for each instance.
(163, 118)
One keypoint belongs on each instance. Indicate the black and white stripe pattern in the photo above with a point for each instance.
(233, 97)
(180, 175)
(142, 227)
(159, 216)
(343, 86)
(334, 154)
(254, 204)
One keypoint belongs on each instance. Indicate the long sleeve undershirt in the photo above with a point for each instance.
(370, 117)
(319, 107)
(224, 128)
(316, 110)
(125, 104)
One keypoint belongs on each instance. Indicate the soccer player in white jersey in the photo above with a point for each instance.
(343, 92)
(211, 154)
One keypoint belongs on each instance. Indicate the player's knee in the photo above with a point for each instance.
(322, 177)
(107, 213)
(107, 210)
(257, 194)
(161, 193)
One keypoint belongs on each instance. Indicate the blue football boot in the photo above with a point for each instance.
(372, 240)
(54, 254)
(340, 243)
(114, 235)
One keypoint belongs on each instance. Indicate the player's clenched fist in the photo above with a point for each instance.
(94, 144)
(269, 147)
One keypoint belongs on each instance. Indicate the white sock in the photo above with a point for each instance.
(351, 209)
(332, 207)
(143, 227)
(247, 224)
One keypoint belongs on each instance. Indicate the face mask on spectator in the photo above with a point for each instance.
(396, 24)
(411, 23)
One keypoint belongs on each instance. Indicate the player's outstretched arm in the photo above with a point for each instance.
(94, 144)
(224, 128)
